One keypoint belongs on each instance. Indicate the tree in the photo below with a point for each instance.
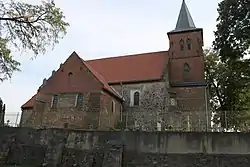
(232, 38)
(229, 89)
(27, 27)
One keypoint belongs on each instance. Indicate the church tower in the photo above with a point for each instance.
(186, 68)
(185, 52)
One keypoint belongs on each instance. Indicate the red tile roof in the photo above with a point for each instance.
(130, 68)
(139, 67)
(102, 80)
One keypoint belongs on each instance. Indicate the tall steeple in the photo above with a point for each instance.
(185, 21)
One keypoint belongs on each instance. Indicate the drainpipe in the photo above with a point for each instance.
(206, 107)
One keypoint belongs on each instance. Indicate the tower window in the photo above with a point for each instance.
(189, 44)
(186, 71)
(181, 45)
(136, 98)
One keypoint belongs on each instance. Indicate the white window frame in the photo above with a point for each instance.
(52, 101)
(132, 92)
(113, 106)
(76, 99)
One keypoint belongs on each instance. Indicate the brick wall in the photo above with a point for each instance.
(192, 103)
(67, 115)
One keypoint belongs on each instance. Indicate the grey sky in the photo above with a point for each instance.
(105, 28)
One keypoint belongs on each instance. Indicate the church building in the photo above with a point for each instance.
(148, 91)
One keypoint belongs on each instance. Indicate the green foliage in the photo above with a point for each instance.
(232, 38)
(27, 27)
(229, 90)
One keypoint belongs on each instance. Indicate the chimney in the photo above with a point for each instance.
(44, 82)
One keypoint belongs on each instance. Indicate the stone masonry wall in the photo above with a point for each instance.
(57, 147)
(66, 114)
(153, 106)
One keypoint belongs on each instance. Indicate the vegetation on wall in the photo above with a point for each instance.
(27, 27)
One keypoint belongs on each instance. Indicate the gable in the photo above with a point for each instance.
(72, 76)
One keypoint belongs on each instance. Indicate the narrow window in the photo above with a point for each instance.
(171, 44)
(113, 107)
(181, 45)
(186, 71)
(54, 101)
(136, 98)
(79, 100)
(189, 44)
(66, 125)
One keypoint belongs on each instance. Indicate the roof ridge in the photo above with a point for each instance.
(127, 55)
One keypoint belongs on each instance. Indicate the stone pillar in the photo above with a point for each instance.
(2, 113)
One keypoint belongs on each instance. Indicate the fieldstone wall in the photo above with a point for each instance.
(58, 147)
(153, 108)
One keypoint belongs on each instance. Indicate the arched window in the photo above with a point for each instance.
(54, 101)
(181, 45)
(136, 98)
(186, 71)
(113, 107)
(189, 44)
(79, 100)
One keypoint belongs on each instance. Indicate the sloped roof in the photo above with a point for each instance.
(102, 80)
(129, 68)
(185, 20)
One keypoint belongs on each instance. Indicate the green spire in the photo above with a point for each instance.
(185, 21)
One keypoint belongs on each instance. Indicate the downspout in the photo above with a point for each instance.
(206, 107)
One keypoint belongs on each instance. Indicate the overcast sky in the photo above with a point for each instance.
(106, 28)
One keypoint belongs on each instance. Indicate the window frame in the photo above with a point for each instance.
(113, 106)
(76, 100)
(53, 103)
(132, 92)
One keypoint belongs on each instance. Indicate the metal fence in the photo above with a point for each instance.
(183, 121)
(12, 119)
(160, 121)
